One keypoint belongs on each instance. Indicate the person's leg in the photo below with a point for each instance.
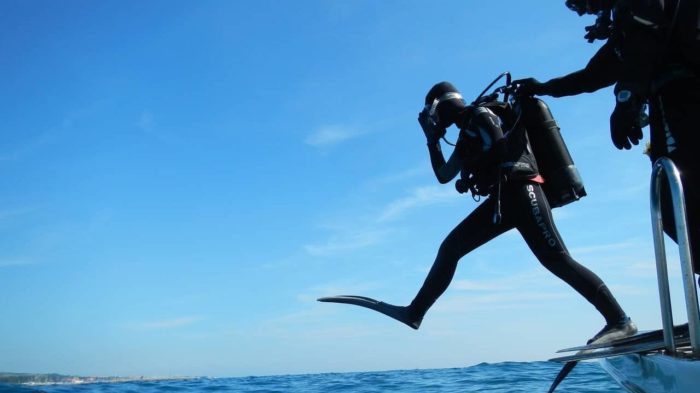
(690, 181)
(537, 227)
(475, 230)
(679, 105)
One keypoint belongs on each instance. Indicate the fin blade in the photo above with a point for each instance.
(349, 299)
(395, 312)
(563, 373)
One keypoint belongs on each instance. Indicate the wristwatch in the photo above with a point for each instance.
(623, 95)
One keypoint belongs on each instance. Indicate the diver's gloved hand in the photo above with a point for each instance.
(626, 121)
(432, 131)
(593, 32)
(464, 185)
(601, 30)
(530, 87)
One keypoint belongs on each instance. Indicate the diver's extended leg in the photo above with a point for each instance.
(475, 230)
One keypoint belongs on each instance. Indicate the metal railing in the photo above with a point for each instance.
(664, 168)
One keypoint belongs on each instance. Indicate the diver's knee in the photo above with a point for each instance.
(555, 261)
(448, 251)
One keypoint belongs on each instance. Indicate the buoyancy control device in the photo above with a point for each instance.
(562, 181)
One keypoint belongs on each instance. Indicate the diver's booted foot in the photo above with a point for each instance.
(401, 314)
(609, 333)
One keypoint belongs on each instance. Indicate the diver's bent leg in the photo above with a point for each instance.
(475, 230)
(537, 228)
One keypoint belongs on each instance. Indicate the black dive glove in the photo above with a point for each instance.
(601, 30)
(530, 87)
(627, 120)
(432, 131)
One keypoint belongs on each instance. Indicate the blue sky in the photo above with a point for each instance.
(182, 179)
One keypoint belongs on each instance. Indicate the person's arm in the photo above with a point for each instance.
(484, 130)
(643, 44)
(444, 171)
(601, 71)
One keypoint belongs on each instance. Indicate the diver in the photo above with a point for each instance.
(503, 169)
(652, 56)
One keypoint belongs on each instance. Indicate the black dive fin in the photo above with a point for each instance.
(679, 332)
(621, 350)
(397, 312)
(562, 374)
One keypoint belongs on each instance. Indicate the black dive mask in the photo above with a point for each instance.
(592, 7)
(578, 6)
(431, 109)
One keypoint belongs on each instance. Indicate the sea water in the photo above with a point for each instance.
(509, 377)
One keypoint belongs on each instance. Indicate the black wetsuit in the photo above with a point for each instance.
(654, 52)
(524, 207)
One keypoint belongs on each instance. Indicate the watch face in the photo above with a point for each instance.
(624, 95)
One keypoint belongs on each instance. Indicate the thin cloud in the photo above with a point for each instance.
(500, 300)
(15, 263)
(419, 197)
(472, 285)
(620, 246)
(52, 135)
(146, 122)
(332, 289)
(30, 145)
(647, 268)
(332, 135)
(368, 235)
(11, 213)
(346, 242)
(410, 173)
(626, 192)
(165, 324)
(527, 279)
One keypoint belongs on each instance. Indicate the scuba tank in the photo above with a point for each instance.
(562, 181)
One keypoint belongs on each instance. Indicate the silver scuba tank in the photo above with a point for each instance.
(562, 181)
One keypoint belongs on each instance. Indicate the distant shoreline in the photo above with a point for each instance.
(52, 378)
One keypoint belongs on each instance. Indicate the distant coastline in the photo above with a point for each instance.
(44, 379)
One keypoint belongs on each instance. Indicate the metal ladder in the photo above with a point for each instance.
(665, 169)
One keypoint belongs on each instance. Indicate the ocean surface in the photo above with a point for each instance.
(509, 377)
